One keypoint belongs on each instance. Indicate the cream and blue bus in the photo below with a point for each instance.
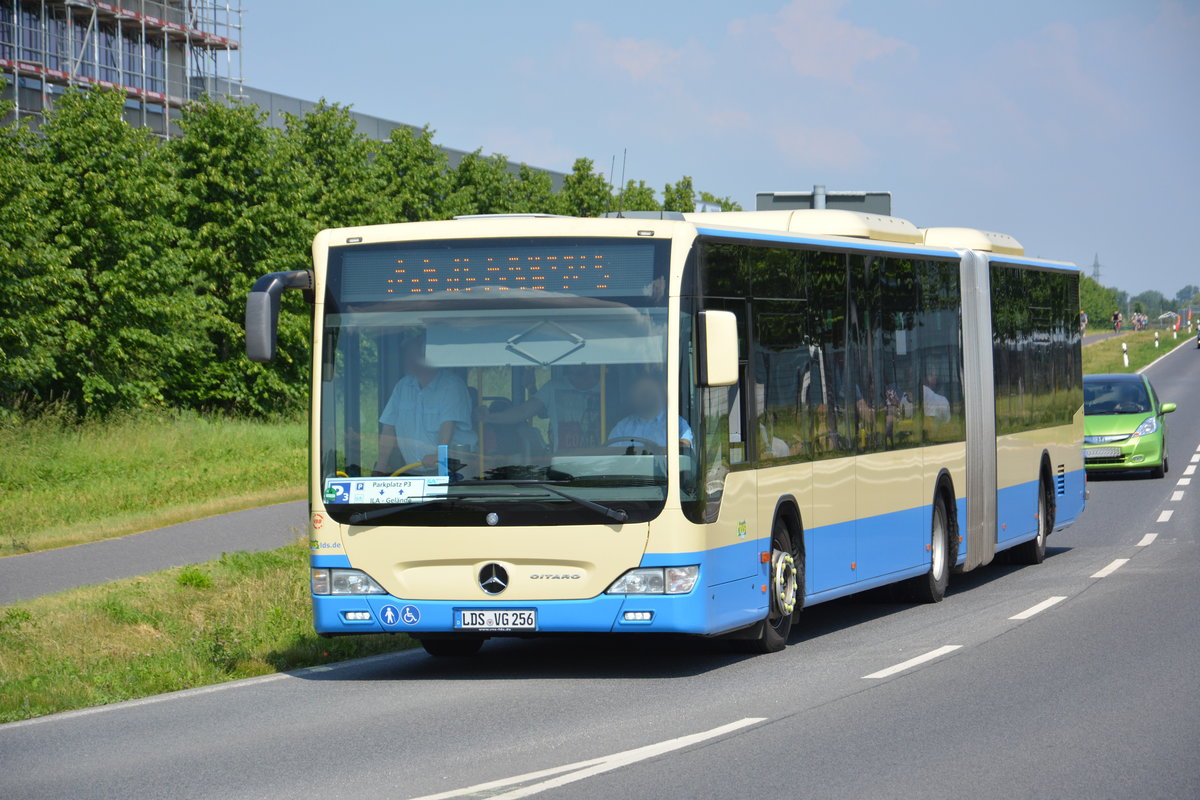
(673, 423)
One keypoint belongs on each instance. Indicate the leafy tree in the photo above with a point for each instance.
(1187, 294)
(128, 323)
(637, 196)
(724, 203)
(585, 192)
(1097, 301)
(533, 192)
(1152, 302)
(238, 206)
(33, 303)
(481, 185)
(342, 187)
(414, 176)
(680, 196)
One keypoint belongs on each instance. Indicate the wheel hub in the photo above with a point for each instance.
(783, 580)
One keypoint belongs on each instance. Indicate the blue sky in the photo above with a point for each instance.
(1071, 124)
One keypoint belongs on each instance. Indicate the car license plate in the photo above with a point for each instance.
(495, 619)
(1101, 452)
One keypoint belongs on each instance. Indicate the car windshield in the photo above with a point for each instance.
(1115, 397)
(464, 377)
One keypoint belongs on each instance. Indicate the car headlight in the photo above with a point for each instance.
(1147, 427)
(656, 580)
(344, 581)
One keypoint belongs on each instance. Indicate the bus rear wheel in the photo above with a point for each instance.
(1034, 551)
(785, 585)
(931, 587)
(453, 648)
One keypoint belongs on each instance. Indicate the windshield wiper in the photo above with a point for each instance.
(359, 517)
(617, 514)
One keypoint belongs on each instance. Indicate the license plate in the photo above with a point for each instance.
(1101, 452)
(495, 619)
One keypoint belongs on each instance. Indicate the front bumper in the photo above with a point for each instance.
(1136, 452)
(703, 611)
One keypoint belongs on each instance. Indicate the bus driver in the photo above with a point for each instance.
(428, 407)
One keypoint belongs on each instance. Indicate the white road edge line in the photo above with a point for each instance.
(1039, 608)
(183, 694)
(913, 662)
(1147, 539)
(1111, 568)
(1176, 497)
(1165, 516)
(586, 769)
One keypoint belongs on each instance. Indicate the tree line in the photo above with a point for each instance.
(1099, 302)
(126, 260)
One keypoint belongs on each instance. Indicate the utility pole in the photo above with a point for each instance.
(1096, 268)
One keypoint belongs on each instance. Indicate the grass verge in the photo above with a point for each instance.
(1105, 355)
(242, 615)
(64, 483)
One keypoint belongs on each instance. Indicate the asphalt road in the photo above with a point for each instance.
(1074, 679)
(31, 575)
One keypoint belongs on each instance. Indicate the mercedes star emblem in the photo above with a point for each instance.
(493, 578)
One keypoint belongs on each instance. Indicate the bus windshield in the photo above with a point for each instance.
(517, 381)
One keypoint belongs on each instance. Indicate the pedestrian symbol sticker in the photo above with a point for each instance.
(389, 615)
(410, 614)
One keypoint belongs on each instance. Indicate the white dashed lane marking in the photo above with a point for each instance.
(1039, 608)
(1190, 470)
(1111, 568)
(913, 662)
(1165, 516)
(1147, 539)
(1176, 497)
(1184, 482)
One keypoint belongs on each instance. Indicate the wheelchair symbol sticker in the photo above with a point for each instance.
(410, 614)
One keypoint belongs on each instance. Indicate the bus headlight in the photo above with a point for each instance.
(344, 581)
(656, 580)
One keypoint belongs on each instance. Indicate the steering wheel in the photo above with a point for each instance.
(654, 448)
(1127, 408)
(406, 468)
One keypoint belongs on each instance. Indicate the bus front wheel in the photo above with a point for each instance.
(786, 582)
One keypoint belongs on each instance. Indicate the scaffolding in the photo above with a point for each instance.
(160, 53)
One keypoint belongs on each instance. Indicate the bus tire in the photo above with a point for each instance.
(453, 648)
(785, 586)
(931, 587)
(1034, 551)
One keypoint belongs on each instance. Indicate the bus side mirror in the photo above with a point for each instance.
(262, 310)
(718, 348)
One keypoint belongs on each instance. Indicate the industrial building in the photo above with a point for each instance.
(160, 53)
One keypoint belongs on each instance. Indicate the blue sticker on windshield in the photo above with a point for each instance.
(337, 492)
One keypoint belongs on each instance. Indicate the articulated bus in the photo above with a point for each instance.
(673, 424)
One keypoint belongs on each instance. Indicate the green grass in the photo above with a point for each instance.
(1105, 355)
(242, 615)
(64, 483)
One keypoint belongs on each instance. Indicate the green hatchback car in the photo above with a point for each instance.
(1124, 425)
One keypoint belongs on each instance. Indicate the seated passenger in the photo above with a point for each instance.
(935, 406)
(648, 421)
(428, 407)
(572, 402)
